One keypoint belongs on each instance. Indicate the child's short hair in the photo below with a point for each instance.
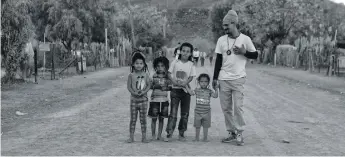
(163, 60)
(204, 75)
(186, 44)
(136, 56)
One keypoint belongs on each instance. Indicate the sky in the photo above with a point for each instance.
(339, 1)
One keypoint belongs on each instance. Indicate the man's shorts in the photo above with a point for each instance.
(202, 120)
(159, 109)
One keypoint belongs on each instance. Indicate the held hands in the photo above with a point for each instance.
(139, 93)
(215, 85)
(184, 83)
(180, 83)
(239, 50)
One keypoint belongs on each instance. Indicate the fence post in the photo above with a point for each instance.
(53, 67)
(81, 62)
(330, 65)
(35, 61)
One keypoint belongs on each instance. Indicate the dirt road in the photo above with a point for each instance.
(90, 116)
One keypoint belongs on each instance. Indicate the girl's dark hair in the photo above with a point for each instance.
(191, 50)
(163, 60)
(204, 75)
(136, 56)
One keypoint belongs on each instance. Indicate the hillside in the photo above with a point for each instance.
(188, 18)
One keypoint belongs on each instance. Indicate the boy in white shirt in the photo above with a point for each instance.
(196, 55)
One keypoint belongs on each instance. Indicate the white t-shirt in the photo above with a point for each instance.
(182, 71)
(196, 53)
(177, 54)
(202, 54)
(233, 66)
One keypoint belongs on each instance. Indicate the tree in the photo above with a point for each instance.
(148, 28)
(16, 30)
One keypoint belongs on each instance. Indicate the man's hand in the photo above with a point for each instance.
(215, 84)
(239, 50)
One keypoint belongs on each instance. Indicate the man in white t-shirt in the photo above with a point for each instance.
(202, 58)
(233, 50)
(196, 55)
(177, 51)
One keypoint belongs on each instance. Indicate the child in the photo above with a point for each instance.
(202, 112)
(138, 85)
(159, 104)
(181, 73)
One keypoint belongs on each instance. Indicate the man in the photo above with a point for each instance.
(233, 50)
(211, 55)
(202, 58)
(177, 50)
(196, 55)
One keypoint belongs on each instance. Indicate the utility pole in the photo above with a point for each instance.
(131, 21)
(44, 54)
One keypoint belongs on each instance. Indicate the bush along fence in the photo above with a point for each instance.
(86, 57)
(308, 54)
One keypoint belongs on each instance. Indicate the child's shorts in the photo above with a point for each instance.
(159, 109)
(202, 119)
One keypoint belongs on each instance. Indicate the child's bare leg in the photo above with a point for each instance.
(133, 121)
(197, 134)
(153, 128)
(143, 110)
(205, 130)
(160, 128)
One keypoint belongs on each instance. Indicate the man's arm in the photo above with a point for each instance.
(251, 55)
(218, 66)
(251, 52)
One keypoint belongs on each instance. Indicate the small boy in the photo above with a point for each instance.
(202, 112)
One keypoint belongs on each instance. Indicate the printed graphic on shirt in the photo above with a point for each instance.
(203, 96)
(140, 83)
(203, 99)
(181, 75)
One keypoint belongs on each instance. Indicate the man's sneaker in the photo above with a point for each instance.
(239, 139)
(232, 137)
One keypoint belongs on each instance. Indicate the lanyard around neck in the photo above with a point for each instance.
(229, 50)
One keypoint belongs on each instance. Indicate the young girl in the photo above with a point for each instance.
(159, 104)
(138, 85)
(181, 73)
(202, 112)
